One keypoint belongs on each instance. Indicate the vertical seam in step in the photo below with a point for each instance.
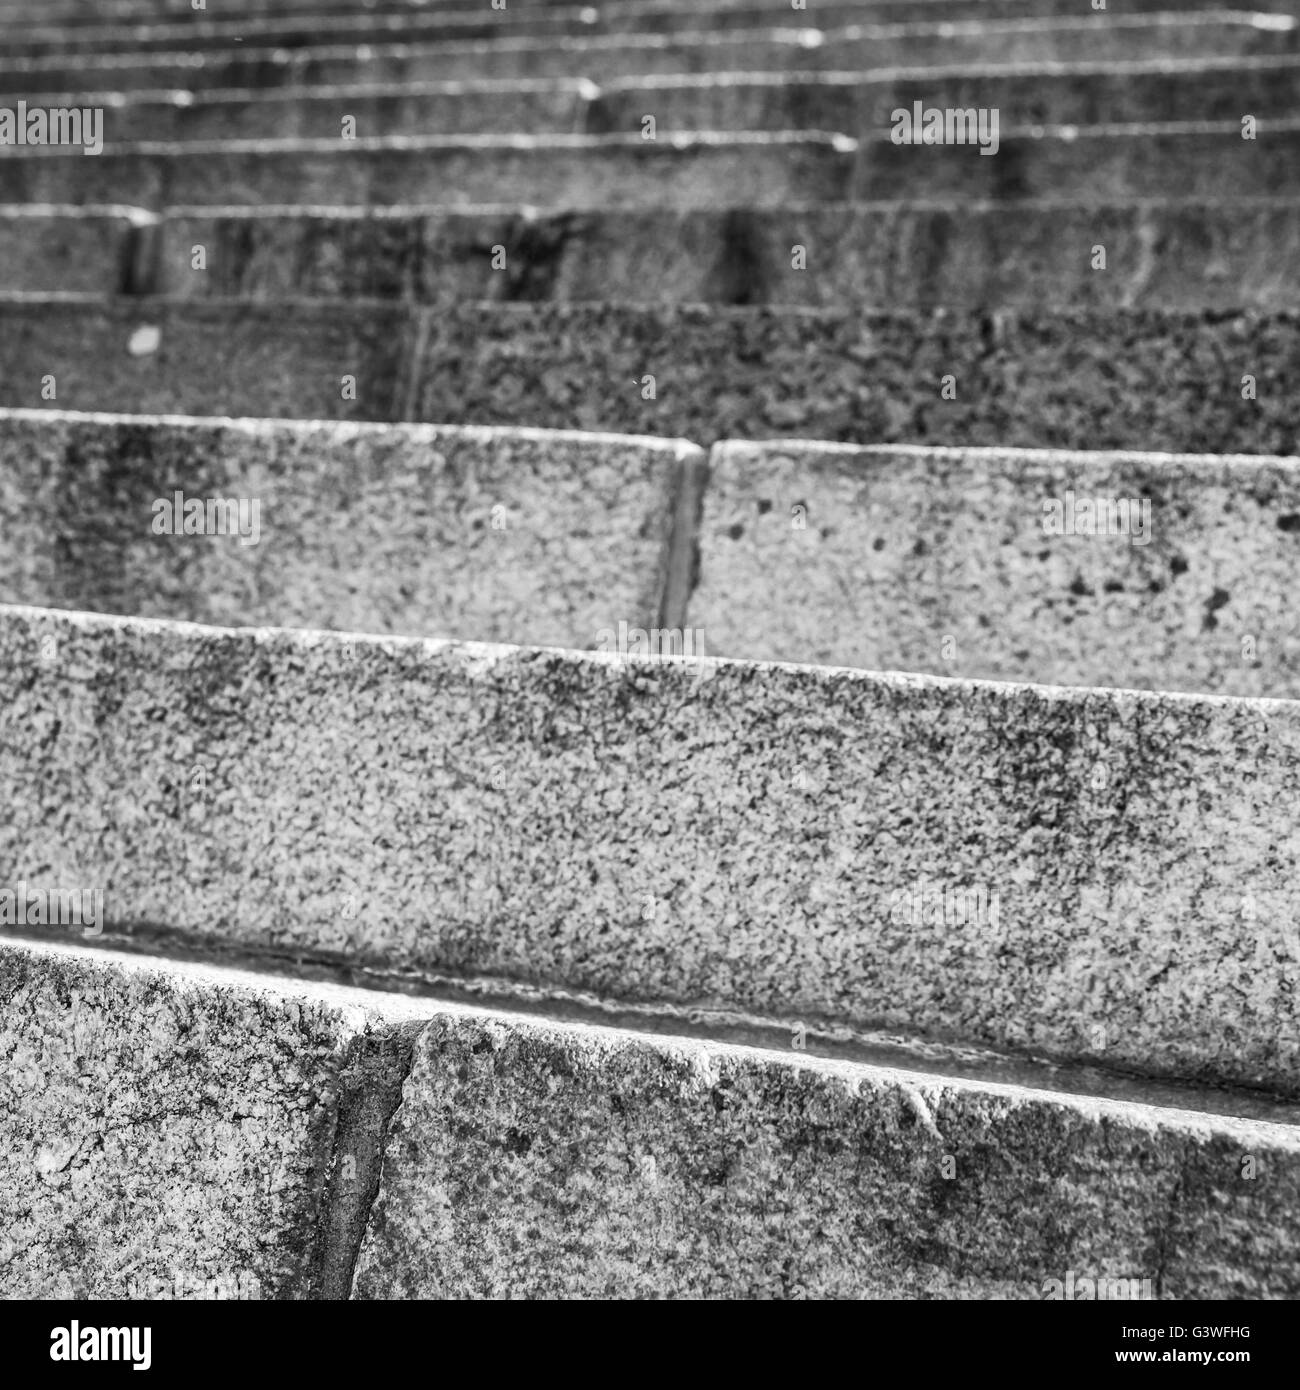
(142, 254)
(408, 403)
(682, 569)
(371, 1082)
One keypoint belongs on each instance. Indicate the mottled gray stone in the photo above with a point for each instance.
(1033, 378)
(529, 1160)
(1030, 378)
(769, 168)
(164, 1128)
(499, 535)
(721, 834)
(219, 359)
(605, 57)
(1176, 253)
(940, 560)
(54, 250)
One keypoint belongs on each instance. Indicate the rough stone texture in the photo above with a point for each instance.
(518, 536)
(1041, 378)
(50, 250)
(221, 359)
(1177, 254)
(695, 832)
(1121, 379)
(536, 1161)
(162, 1128)
(896, 552)
(862, 104)
(606, 57)
(769, 168)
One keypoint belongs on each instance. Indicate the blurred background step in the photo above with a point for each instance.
(599, 170)
(704, 169)
(1212, 89)
(118, 25)
(60, 250)
(1014, 866)
(1165, 253)
(1024, 95)
(1177, 253)
(604, 58)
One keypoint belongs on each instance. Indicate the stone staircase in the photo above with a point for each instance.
(617, 686)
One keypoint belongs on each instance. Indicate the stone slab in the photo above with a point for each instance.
(539, 106)
(165, 1129)
(941, 561)
(603, 58)
(147, 357)
(576, 170)
(1108, 876)
(1024, 378)
(49, 250)
(632, 14)
(1173, 253)
(1205, 89)
(535, 1161)
(1106, 379)
(1210, 88)
(109, 28)
(519, 535)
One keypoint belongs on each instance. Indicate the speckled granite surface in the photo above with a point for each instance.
(1097, 379)
(1116, 872)
(1167, 253)
(163, 1131)
(1041, 378)
(941, 561)
(497, 535)
(529, 1160)
(178, 1130)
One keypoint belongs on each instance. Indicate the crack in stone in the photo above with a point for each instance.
(370, 1087)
